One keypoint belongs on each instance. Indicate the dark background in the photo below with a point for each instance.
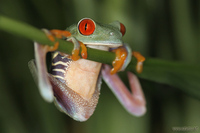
(167, 29)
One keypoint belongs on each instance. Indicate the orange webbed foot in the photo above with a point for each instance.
(75, 51)
(121, 55)
(51, 38)
(52, 34)
(60, 33)
(83, 50)
(140, 60)
(75, 54)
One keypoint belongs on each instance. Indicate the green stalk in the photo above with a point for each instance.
(32, 33)
(181, 75)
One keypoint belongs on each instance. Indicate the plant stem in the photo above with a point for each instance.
(32, 33)
(184, 76)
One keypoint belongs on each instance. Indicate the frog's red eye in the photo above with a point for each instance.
(86, 26)
(122, 29)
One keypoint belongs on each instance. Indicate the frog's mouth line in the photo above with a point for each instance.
(103, 46)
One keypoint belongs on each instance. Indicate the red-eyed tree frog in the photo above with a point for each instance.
(73, 83)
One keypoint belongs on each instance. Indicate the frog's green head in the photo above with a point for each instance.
(91, 33)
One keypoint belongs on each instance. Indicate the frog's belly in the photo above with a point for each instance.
(81, 76)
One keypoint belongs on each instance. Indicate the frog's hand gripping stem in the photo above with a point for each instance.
(122, 59)
(39, 71)
(66, 34)
(133, 103)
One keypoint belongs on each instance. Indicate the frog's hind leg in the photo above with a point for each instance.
(39, 71)
(133, 102)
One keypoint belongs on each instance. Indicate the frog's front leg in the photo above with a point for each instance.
(63, 34)
(134, 103)
(123, 58)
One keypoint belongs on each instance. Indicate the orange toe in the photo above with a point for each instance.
(140, 60)
(75, 54)
(121, 55)
(83, 50)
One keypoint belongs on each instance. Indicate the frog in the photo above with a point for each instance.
(74, 82)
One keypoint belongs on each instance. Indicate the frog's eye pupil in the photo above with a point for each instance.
(86, 26)
(122, 29)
